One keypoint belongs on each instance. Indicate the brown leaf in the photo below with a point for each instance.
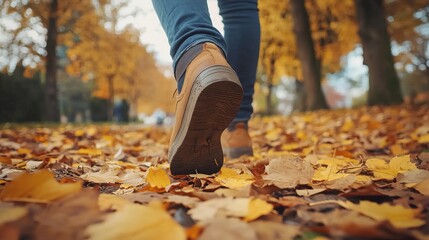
(227, 229)
(274, 231)
(288, 172)
(66, 218)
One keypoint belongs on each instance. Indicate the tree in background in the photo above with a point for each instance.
(310, 65)
(48, 19)
(333, 30)
(408, 27)
(384, 86)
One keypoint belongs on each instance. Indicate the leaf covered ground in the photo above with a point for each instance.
(347, 174)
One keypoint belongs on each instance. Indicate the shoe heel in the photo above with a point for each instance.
(214, 100)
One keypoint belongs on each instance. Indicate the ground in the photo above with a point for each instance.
(344, 174)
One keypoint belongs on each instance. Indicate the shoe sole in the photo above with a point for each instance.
(214, 101)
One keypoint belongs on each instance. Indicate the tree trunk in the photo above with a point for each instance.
(384, 86)
(110, 99)
(270, 79)
(299, 101)
(269, 99)
(306, 54)
(51, 107)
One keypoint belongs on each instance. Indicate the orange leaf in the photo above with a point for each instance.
(38, 187)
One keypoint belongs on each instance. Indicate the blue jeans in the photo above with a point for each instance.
(187, 23)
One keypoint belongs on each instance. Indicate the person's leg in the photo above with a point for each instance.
(242, 36)
(209, 90)
(186, 24)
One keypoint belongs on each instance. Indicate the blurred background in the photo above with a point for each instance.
(108, 60)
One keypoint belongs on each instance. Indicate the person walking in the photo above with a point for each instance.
(215, 81)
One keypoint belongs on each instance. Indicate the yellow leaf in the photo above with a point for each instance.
(89, 151)
(397, 215)
(402, 164)
(157, 177)
(136, 222)
(79, 133)
(290, 146)
(110, 201)
(424, 138)
(257, 208)
(39, 187)
(380, 169)
(331, 171)
(230, 178)
(347, 126)
(273, 134)
(24, 151)
(398, 150)
(423, 187)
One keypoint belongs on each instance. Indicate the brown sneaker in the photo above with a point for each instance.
(236, 142)
(209, 99)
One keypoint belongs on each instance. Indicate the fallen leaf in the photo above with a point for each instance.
(397, 215)
(141, 222)
(309, 192)
(424, 138)
(413, 177)
(257, 208)
(288, 172)
(274, 231)
(65, 218)
(39, 187)
(220, 207)
(10, 214)
(186, 201)
(227, 229)
(109, 175)
(132, 178)
(32, 165)
(110, 201)
(402, 164)
(89, 151)
(230, 178)
(380, 169)
(157, 177)
(423, 187)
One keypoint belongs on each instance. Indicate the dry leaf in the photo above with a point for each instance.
(103, 176)
(274, 231)
(402, 164)
(135, 222)
(397, 215)
(309, 192)
(110, 201)
(231, 178)
(66, 218)
(413, 176)
(157, 177)
(423, 187)
(220, 207)
(10, 214)
(39, 187)
(257, 208)
(288, 172)
(380, 169)
(227, 229)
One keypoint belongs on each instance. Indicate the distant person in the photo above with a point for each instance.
(215, 80)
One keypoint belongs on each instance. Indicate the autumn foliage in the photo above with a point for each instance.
(360, 173)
